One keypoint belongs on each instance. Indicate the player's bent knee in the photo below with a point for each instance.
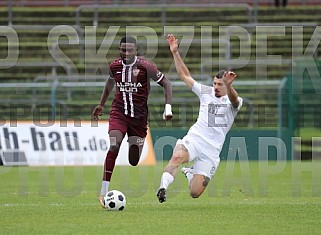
(195, 194)
(177, 160)
(198, 184)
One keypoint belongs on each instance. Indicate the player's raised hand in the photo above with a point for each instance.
(98, 111)
(229, 77)
(172, 42)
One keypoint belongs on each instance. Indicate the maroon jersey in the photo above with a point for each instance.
(133, 85)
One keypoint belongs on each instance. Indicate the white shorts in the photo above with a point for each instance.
(205, 156)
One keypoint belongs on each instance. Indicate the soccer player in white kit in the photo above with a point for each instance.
(203, 143)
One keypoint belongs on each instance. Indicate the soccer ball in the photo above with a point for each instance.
(115, 201)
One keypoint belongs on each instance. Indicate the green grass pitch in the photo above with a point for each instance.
(243, 198)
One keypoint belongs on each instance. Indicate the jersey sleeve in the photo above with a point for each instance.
(196, 88)
(200, 89)
(111, 73)
(240, 103)
(154, 73)
(236, 110)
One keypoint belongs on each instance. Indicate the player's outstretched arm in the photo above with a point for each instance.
(181, 68)
(98, 110)
(228, 79)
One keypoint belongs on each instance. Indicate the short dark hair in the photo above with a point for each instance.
(127, 40)
(220, 74)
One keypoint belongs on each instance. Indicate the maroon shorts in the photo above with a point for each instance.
(126, 124)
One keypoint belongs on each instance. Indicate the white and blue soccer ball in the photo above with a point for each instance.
(115, 201)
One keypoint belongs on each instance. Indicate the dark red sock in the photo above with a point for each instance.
(109, 165)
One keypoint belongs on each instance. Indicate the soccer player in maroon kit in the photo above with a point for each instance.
(131, 75)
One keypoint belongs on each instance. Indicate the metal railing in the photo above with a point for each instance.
(52, 65)
(100, 6)
(164, 8)
(22, 3)
(52, 83)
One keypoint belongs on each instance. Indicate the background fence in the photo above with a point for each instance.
(300, 112)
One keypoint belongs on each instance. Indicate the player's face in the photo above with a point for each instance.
(128, 52)
(219, 87)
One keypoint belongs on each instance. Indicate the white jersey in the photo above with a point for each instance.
(215, 118)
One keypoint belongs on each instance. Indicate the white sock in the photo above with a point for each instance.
(189, 176)
(166, 180)
(104, 187)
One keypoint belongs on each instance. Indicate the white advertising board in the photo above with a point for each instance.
(54, 144)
